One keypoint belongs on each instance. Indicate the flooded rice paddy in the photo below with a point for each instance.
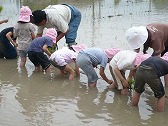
(29, 98)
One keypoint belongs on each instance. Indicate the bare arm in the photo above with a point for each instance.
(8, 35)
(45, 49)
(61, 35)
(4, 21)
(122, 79)
(102, 74)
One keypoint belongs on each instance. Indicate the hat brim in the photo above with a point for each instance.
(136, 36)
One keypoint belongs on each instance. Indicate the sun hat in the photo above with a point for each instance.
(140, 57)
(111, 52)
(165, 56)
(78, 48)
(136, 36)
(25, 13)
(52, 33)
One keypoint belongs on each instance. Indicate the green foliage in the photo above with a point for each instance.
(1, 8)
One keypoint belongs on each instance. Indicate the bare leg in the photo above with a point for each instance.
(135, 98)
(22, 61)
(69, 70)
(161, 104)
(166, 80)
(92, 84)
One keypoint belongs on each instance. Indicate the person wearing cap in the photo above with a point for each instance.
(38, 52)
(24, 31)
(122, 61)
(65, 18)
(90, 58)
(154, 35)
(62, 58)
(149, 72)
(8, 47)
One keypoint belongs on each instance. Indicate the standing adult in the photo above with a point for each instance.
(65, 18)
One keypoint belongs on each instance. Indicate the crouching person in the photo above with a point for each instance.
(62, 58)
(122, 61)
(39, 46)
(149, 72)
(90, 58)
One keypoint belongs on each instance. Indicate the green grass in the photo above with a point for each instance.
(1, 8)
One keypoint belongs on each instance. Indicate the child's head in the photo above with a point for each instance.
(52, 33)
(110, 53)
(38, 18)
(136, 36)
(140, 57)
(165, 56)
(25, 13)
(78, 48)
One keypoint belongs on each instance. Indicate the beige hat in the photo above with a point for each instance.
(136, 36)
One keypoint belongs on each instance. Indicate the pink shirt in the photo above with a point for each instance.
(63, 56)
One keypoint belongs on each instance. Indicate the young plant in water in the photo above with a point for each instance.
(132, 83)
(1, 8)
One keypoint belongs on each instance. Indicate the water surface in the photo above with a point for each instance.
(29, 98)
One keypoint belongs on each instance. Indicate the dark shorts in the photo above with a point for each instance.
(39, 59)
(57, 66)
(7, 50)
(146, 74)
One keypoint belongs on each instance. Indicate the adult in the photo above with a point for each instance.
(64, 18)
(7, 45)
(154, 35)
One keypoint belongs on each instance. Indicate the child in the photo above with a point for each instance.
(63, 57)
(122, 61)
(65, 18)
(150, 72)
(8, 47)
(3, 21)
(24, 32)
(40, 45)
(89, 58)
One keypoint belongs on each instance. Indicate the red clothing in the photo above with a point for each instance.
(157, 38)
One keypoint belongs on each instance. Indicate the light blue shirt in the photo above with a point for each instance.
(97, 56)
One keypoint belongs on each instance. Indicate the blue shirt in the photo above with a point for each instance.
(38, 43)
(97, 56)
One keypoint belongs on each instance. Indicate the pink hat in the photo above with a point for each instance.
(52, 33)
(165, 56)
(25, 13)
(140, 57)
(78, 48)
(111, 52)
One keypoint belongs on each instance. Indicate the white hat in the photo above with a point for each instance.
(136, 36)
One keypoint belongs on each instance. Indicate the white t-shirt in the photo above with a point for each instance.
(58, 17)
(124, 60)
(63, 56)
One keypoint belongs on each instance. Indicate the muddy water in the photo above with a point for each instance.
(29, 98)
